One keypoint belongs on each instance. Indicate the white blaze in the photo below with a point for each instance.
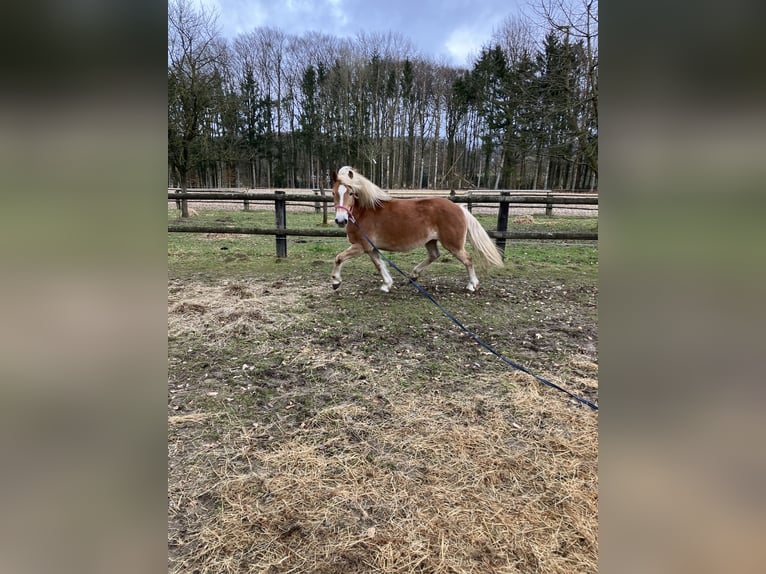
(341, 215)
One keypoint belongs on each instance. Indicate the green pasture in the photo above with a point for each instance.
(240, 256)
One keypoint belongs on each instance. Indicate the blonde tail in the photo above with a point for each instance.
(481, 241)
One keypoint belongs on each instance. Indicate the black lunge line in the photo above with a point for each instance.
(467, 330)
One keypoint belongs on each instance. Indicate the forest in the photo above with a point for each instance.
(272, 110)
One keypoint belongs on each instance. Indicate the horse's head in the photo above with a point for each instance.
(343, 196)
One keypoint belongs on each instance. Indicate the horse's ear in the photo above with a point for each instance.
(350, 174)
(334, 177)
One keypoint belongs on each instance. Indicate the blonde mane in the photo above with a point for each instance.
(370, 195)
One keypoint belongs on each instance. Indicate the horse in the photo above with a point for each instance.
(401, 225)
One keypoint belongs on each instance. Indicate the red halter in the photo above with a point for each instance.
(348, 210)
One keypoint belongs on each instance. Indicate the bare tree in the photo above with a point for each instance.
(194, 52)
(263, 52)
(577, 22)
(516, 38)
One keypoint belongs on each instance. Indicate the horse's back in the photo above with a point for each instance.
(424, 209)
(405, 224)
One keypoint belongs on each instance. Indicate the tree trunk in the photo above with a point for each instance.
(501, 171)
(183, 176)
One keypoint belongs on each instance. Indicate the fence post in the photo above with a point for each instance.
(469, 204)
(324, 207)
(502, 221)
(280, 213)
(549, 204)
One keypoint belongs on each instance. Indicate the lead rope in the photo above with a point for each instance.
(465, 329)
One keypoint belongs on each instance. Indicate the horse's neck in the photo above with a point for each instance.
(362, 211)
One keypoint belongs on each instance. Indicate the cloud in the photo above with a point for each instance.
(338, 12)
(448, 29)
(463, 44)
(292, 16)
(237, 16)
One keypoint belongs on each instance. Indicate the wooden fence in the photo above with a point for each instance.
(280, 199)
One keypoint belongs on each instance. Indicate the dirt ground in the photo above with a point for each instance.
(320, 431)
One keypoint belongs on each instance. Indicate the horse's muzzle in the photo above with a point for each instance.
(341, 223)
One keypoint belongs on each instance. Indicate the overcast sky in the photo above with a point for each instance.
(451, 29)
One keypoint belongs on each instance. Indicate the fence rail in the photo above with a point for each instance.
(503, 200)
(539, 199)
(559, 235)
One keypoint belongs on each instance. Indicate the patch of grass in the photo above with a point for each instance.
(555, 223)
(557, 260)
(312, 257)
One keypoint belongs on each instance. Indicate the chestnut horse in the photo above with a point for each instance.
(403, 225)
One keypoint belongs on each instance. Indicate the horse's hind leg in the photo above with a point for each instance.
(433, 255)
(463, 256)
(380, 265)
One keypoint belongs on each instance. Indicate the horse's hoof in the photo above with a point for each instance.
(335, 286)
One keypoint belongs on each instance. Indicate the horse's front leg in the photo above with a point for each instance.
(340, 259)
(380, 265)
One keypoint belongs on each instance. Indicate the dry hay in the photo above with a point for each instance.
(524, 220)
(221, 312)
(493, 476)
(190, 418)
(441, 484)
(192, 213)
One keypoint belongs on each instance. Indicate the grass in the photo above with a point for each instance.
(315, 430)
(192, 254)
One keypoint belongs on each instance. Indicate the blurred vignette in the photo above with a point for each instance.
(83, 330)
(682, 266)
